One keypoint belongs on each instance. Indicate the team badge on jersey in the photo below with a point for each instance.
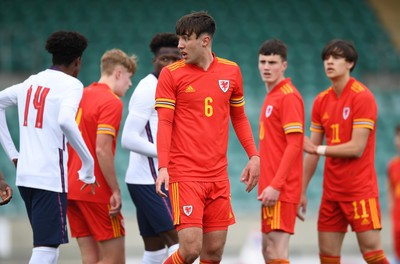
(187, 209)
(346, 112)
(268, 112)
(224, 85)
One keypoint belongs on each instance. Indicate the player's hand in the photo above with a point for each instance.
(115, 203)
(5, 193)
(86, 174)
(309, 146)
(162, 178)
(92, 186)
(302, 209)
(251, 173)
(269, 196)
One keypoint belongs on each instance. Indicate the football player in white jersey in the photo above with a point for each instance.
(47, 103)
(153, 212)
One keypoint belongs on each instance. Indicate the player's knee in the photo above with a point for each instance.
(190, 254)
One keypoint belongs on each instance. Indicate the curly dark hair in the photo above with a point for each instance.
(161, 40)
(66, 46)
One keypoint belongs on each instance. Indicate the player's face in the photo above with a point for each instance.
(272, 69)
(123, 80)
(191, 48)
(336, 66)
(164, 57)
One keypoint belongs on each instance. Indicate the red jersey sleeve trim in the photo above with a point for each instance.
(316, 127)
(364, 123)
(237, 102)
(293, 128)
(165, 103)
(106, 129)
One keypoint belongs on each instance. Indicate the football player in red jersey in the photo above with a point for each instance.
(96, 220)
(195, 98)
(393, 172)
(281, 156)
(345, 115)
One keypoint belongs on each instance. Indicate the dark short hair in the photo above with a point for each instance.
(196, 22)
(66, 46)
(341, 48)
(274, 47)
(161, 40)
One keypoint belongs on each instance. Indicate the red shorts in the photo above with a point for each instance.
(281, 216)
(92, 219)
(201, 204)
(361, 215)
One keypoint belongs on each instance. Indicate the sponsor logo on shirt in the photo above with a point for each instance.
(325, 116)
(346, 112)
(224, 85)
(268, 111)
(187, 209)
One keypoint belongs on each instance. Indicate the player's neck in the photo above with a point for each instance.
(339, 83)
(107, 80)
(271, 85)
(205, 61)
(62, 68)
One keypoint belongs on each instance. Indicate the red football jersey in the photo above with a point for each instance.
(100, 112)
(347, 179)
(282, 113)
(393, 172)
(202, 102)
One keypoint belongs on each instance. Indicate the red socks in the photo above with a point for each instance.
(278, 261)
(175, 258)
(375, 257)
(329, 259)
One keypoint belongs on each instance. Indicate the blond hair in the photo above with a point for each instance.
(114, 57)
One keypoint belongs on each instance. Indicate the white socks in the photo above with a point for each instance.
(153, 257)
(172, 249)
(44, 255)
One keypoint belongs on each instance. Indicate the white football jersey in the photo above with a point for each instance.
(43, 156)
(139, 133)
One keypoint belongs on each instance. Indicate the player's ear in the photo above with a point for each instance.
(77, 62)
(205, 40)
(117, 73)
